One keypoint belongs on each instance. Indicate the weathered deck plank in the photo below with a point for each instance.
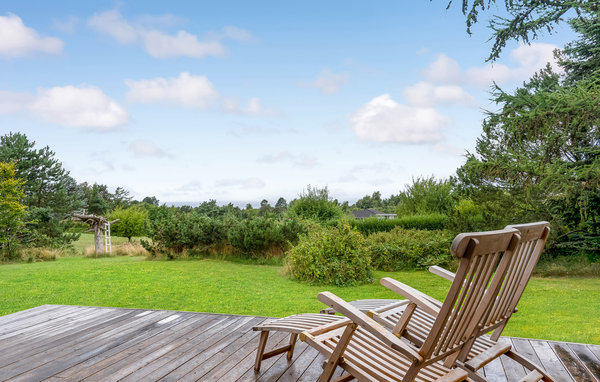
(72, 343)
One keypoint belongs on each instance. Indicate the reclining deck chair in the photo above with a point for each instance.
(369, 352)
(413, 321)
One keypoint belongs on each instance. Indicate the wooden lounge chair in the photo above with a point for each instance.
(370, 352)
(486, 348)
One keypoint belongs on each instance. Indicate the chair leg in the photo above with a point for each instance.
(528, 364)
(344, 378)
(290, 352)
(333, 361)
(261, 349)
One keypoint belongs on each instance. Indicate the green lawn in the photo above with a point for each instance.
(556, 309)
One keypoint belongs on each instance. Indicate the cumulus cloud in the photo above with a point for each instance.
(444, 69)
(384, 120)
(302, 161)
(328, 82)
(241, 183)
(11, 102)
(17, 40)
(529, 58)
(144, 148)
(190, 91)
(160, 44)
(185, 90)
(114, 24)
(78, 106)
(425, 94)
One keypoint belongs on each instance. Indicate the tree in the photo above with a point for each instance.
(315, 204)
(12, 211)
(281, 205)
(152, 200)
(265, 208)
(373, 201)
(539, 155)
(132, 222)
(426, 196)
(51, 194)
(526, 18)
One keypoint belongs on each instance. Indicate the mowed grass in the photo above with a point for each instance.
(555, 309)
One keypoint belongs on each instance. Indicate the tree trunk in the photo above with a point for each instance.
(98, 239)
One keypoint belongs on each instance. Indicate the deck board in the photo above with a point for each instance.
(75, 343)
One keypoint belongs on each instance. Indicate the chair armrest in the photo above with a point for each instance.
(422, 300)
(442, 272)
(369, 324)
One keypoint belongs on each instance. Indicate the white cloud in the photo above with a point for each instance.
(114, 24)
(82, 106)
(162, 45)
(241, 183)
(144, 148)
(535, 55)
(328, 82)
(425, 94)
(13, 102)
(17, 40)
(186, 90)
(384, 120)
(302, 161)
(238, 34)
(444, 69)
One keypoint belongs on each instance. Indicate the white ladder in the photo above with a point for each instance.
(107, 241)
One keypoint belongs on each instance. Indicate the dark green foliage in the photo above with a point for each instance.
(281, 206)
(402, 249)
(425, 222)
(174, 229)
(330, 255)
(50, 193)
(257, 236)
(426, 196)
(315, 204)
(526, 18)
(152, 200)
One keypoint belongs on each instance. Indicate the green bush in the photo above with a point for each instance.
(315, 204)
(467, 216)
(330, 255)
(256, 237)
(424, 222)
(402, 249)
(174, 229)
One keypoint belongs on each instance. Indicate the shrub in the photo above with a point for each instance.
(424, 222)
(174, 229)
(467, 216)
(260, 235)
(402, 249)
(425, 196)
(330, 255)
(316, 205)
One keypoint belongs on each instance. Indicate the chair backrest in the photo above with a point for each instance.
(527, 254)
(484, 260)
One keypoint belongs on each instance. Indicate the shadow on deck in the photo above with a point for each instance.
(72, 343)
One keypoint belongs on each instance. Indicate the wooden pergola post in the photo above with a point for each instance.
(97, 225)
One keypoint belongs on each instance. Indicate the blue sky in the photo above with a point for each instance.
(240, 101)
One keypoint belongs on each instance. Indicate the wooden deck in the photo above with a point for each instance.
(72, 343)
